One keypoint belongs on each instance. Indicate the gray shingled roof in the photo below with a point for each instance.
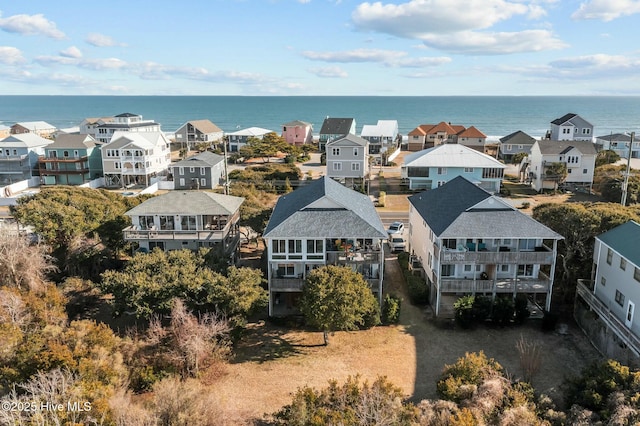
(498, 224)
(356, 218)
(72, 140)
(336, 126)
(557, 147)
(357, 140)
(188, 202)
(616, 137)
(204, 159)
(625, 239)
(441, 206)
(518, 138)
(560, 121)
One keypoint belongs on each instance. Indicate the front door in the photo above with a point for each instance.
(629, 318)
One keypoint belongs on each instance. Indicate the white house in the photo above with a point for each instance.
(133, 158)
(570, 127)
(381, 136)
(40, 128)
(348, 159)
(605, 306)
(468, 241)
(239, 139)
(105, 129)
(433, 167)
(322, 223)
(579, 157)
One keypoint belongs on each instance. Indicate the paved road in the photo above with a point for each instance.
(389, 217)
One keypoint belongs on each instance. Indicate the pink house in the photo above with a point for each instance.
(297, 132)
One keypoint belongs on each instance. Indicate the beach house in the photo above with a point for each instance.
(605, 304)
(201, 171)
(72, 159)
(297, 132)
(382, 136)
(348, 160)
(105, 129)
(238, 139)
(433, 167)
(196, 132)
(40, 128)
(186, 220)
(134, 158)
(333, 128)
(619, 143)
(322, 223)
(430, 135)
(570, 127)
(578, 158)
(475, 139)
(514, 143)
(466, 241)
(19, 155)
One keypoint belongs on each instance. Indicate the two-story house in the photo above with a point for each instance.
(570, 127)
(19, 155)
(297, 132)
(348, 159)
(579, 158)
(133, 158)
(436, 166)
(40, 128)
(238, 139)
(620, 144)
(468, 241)
(334, 128)
(89, 126)
(72, 159)
(515, 143)
(382, 136)
(186, 220)
(430, 135)
(605, 304)
(196, 132)
(322, 223)
(473, 138)
(201, 171)
(125, 122)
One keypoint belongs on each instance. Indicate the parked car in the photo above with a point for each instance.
(396, 228)
(396, 243)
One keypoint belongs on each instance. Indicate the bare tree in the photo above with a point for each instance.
(13, 310)
(22, 264)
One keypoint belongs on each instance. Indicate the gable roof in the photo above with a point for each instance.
(518, 138)
(472, 132)
(615, 137)
(24, 140)
(298, 123)
(35, 125)
(204, 159)
(346, 213)
(73, 140)
(461, 209)
(562, 120)
(144, 140)
(451, 155)
(205, 126)
(382, 128)
(624, 239)
(188, 202)
(348, 140)
(549, 147)
(421, 130)
(251, 131)
(336, 126)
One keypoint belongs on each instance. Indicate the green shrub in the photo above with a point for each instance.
(482, 308)
(391, 309)
(463, 308)
(460, 379)
(503, 310)
(403, 261)
(416, 286)
(521, 308)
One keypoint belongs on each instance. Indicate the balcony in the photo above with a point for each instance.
(63, 159)
(286, 284)
(584, 290)
(133, 158)
(502, 285)
(542, 255)
(132, 234)
(342, 257)
(133, 170)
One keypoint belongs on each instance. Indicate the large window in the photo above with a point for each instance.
(525, 270)
(279, 246)
(295, 246)
(146, 222)
(188, 223)
(166, 223)
(448, 270)
(315, 246)
(527, 245)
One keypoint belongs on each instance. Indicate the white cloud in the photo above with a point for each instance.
(498, 43)
(606, 10)
(101, 40)
(10, 56)
(390, 58)
(588, 67)
(31, 25)
(459, 26)
(329, 72)
(71, 52)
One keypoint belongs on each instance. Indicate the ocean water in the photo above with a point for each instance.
(496, 116)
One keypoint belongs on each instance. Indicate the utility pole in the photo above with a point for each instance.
(625, 183)
(226, 172)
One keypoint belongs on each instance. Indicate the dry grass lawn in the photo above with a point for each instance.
(272, 362)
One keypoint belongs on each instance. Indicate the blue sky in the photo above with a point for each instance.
(320, 47)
